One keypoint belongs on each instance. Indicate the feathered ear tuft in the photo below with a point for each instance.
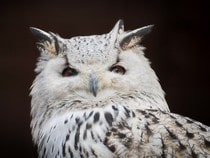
(133, 38)
(50, 42)
(116, 30)
(119, 27)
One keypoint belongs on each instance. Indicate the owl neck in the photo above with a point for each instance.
(135, 100)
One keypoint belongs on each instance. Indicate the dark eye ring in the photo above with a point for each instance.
(67, 72)
(118, 69)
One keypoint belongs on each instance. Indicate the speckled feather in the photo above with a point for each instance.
(99, 113)
(117, 131)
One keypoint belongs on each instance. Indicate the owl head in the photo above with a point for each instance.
(93, 69)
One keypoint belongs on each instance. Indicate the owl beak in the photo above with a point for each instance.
(93, 85)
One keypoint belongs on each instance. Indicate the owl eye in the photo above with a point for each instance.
(118, 69)
(69, 72)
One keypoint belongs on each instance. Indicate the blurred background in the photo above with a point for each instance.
(178, 48)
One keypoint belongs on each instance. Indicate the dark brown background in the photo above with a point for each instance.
(178, 47)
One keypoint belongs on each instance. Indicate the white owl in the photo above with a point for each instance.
(97, 97)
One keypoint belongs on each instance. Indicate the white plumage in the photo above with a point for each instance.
(97, 97)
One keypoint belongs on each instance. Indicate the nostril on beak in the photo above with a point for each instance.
(93, 85)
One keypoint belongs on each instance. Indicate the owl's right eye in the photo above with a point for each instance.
(118, 69)
(67, 72)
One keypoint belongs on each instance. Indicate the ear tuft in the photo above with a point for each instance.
(50, 42)
(120, 24)
(40, 35)
(134, 37)
(118, 27)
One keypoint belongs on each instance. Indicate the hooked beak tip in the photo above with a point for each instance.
(94, 94)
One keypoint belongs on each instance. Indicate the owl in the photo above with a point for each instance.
(98, 97)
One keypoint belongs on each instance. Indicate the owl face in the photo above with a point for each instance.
(94, 79)
(93, 68)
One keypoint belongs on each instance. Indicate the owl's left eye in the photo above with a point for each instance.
(118, 69)
(69, 72)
